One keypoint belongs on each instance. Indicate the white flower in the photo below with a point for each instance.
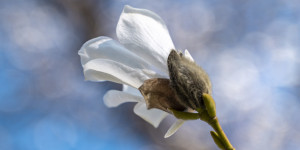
(142, 54)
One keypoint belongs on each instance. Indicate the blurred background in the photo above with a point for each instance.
(250, 49)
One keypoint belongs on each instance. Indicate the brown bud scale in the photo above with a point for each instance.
(159, 94)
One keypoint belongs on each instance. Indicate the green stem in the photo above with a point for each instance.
(214, 123)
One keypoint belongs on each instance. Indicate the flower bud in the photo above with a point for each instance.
(188, 80)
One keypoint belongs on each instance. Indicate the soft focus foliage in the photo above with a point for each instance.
(250, 49)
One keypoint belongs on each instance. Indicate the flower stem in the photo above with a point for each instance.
(214, 123)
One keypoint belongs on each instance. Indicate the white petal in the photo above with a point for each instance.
(153, 116)
(188, 55)
(102, 69)
(131, 90)
(145, 33)
(106, 48)
(114, 98)
(174, 128)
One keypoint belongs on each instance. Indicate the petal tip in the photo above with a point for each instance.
(106, 101)
(127, 7)
(167, 135)
(188, 55)
(173, 129)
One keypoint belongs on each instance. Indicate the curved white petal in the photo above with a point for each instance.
(153, 116)
(114, 98)
(102, 69)
(174, 128)
(188, 55)
(106, 48)
(145, 33)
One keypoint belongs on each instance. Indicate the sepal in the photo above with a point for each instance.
(217, 140)
(184, 115)
(209, 105)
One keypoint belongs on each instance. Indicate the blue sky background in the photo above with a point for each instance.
(250, 49)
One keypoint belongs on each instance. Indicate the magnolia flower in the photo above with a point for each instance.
(141, 54)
